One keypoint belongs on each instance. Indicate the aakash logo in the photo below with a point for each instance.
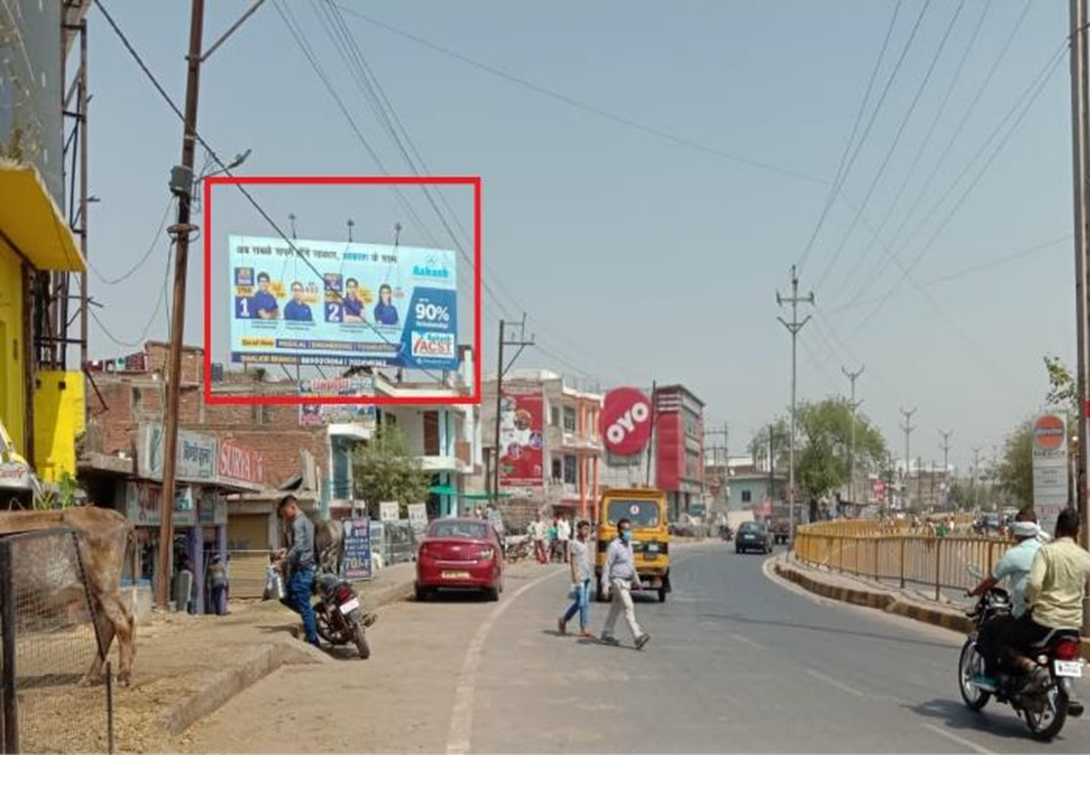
(433, 345)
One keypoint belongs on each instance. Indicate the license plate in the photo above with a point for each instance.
(350, 606)
(449, 574)
(650, 557)
(1069, 668)
(651, 549)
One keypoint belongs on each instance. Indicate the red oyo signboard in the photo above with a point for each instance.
(625, 421)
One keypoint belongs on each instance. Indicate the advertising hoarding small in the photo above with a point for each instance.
(311, 415)
(522, 435)
(1050, 468)
(356, 562)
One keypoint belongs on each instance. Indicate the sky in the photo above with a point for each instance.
(650, 174)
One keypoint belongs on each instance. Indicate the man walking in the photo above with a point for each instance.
(563, 534)
(537, 533)
(217, 580)
(619, 577)
(581, 574)
(300, 561)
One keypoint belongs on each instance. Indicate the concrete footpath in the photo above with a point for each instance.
(186, 666)
(904, 603)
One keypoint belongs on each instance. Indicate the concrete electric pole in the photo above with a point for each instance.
(853, 405)
(907, 429)
(793, 327)
(946, 462)
(1080, 134)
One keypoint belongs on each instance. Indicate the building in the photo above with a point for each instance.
(41, 394)
(556, 470)
(679, 448)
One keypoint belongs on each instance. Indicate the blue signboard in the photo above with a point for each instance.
(354, 304)
(356, 562)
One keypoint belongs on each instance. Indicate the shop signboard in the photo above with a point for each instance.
(195, 460)
(356, 561)
(311, 415)
(143, 504)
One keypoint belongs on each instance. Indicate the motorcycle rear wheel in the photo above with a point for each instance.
(1046, 724)
(971, 663)
(360, 638)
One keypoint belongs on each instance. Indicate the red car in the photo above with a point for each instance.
(459, 553)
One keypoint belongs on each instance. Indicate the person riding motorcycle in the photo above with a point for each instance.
(1014, 565)
(1053, 593)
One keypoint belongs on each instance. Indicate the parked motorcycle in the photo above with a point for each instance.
(1044, 701)
(340, 618)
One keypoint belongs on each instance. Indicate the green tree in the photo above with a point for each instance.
(385, 469)
(1063, 388)
(823, 445)
(1015, 474)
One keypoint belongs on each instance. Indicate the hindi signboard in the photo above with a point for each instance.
(356, 561)
(418, 516)
(376, 305)
(389, 511)
(1050, 490)
(195, 458)
(311, 415)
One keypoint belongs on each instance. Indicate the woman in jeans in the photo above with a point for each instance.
(581, 573)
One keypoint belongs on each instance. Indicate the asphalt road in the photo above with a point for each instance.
(737, 664)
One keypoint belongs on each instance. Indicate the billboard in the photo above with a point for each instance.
(311, 415)
(368, 305)
(626, 421)
(1050, 491)
(522, 435)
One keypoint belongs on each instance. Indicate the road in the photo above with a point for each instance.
(737, 664)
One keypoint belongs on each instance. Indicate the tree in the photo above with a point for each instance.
(385, 469)
(1015, 472)
(1063, 388)
(823, 445)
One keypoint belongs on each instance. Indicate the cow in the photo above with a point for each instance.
(102, 536)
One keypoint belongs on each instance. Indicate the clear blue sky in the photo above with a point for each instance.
(636, 256)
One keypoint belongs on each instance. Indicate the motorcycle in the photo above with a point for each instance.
(1043, 700)
(338, 613)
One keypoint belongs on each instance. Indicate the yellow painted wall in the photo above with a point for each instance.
(59, 416)
(12, 381)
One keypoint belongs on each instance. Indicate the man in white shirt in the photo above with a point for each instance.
(563, 534)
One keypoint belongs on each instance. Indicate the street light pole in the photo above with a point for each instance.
(182, 186)
(793, 327)
(853, 405)
(907, 428)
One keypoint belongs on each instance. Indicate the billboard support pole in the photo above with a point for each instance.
(182, 185)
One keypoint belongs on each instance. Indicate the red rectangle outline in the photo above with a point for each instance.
(472, 399)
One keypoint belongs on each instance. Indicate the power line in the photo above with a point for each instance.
(897, 137)
(585, 106)
(841, 170)
(147, 254)
(224, 166)
(923, 144)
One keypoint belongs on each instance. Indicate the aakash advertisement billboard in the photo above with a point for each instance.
(368, 305)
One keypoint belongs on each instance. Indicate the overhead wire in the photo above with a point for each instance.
(156, 239)
(841, 170)
(219, 160)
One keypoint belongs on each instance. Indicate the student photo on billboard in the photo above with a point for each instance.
(264, 302)
(385, 310)
(297, 310)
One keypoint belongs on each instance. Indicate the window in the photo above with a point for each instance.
(569, 419)
(431, 433)
(570, 469)
(747, 496)
(558, 469)
(554, 417)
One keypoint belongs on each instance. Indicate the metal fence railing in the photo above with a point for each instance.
(49, 642)
(887, 553)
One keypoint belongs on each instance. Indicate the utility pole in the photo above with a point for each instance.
(772, 471)
(853, 405)
(932, 504)
(520, 343)
(907, 429)
(793, 327)
(181, 183)
(1080, 133)
(919, 482)
(726, 459)
(946, 462)
(976, 468)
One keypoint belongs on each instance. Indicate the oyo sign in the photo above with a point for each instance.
(626, 421)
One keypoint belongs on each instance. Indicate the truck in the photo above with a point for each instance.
(645, 509)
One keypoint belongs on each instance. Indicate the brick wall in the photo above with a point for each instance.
(128, 400)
